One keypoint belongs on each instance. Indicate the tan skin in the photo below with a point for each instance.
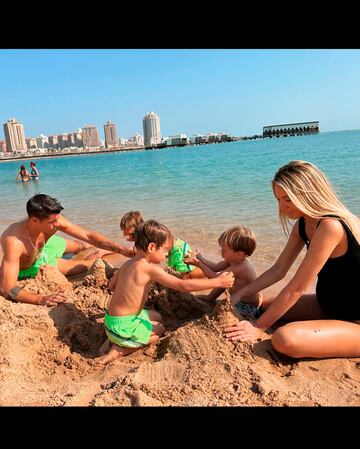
(132, 283)
(309, 333)
(24, 175)
(22, 243)
(234, 261)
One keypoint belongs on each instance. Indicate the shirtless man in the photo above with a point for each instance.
(30, 243)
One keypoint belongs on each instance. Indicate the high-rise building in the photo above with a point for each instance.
(71, 139)
(137, 139)
(110, 135)
(54, 141)
(42, 141)
(14, 136)
(151, 126)
(90, 136)
(78, 138)
(31, 143)
(2, 146)
(63, 140)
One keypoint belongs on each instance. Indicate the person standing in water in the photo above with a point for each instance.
(23, 174)
(34, 171)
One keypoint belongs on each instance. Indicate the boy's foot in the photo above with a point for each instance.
(105, 347)
(115, 353)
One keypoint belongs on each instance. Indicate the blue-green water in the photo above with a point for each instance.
(197, 191)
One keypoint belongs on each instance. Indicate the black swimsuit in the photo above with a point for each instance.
(337, 288)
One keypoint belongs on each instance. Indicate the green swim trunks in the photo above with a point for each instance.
(177, 255)
(52, 249)
(131, 331)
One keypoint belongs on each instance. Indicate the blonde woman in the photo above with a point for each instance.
(324, 324)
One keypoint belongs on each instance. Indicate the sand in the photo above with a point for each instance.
(48, 356)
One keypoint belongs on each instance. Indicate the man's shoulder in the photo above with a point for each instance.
(13, 231)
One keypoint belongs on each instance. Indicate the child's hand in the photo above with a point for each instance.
(226, 279)
(191, 257)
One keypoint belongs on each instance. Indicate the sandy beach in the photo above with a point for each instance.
(49, 356)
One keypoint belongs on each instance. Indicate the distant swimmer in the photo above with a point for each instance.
(34, 171)
(24, 174)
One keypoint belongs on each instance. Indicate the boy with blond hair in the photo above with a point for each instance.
(128, 325)
(237, 245)
(128, 225)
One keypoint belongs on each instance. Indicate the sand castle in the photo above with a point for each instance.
(48, 356)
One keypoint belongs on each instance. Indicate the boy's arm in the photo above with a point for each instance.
(157, 274)
(208, 267)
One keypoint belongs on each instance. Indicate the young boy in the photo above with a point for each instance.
(237, 244)
(128, 325)
(131, 220)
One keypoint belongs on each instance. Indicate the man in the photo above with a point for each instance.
(30, 243)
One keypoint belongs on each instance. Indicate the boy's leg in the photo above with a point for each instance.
(105, 347)
(157, 330)
(115, 352)
(154, 316)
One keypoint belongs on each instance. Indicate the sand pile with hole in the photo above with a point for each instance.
(48, 356)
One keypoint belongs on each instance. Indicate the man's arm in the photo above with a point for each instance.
(92, 237)
(9, 272)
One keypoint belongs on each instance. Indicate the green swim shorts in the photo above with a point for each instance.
(131, 331)
(52, 249)
(177, 255)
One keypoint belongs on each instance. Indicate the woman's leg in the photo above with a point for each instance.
(318, 339)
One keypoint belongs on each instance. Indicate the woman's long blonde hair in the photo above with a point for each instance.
(311, 192)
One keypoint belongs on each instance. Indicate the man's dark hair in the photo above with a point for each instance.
(151, 231)
(41, 206)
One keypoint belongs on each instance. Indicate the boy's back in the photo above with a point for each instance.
(132, 285)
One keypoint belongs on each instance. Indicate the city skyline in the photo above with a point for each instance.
(193, 91)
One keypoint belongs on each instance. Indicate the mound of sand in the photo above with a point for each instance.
(48, 356)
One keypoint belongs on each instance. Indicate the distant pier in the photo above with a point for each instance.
(291, 129)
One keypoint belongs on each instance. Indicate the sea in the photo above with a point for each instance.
(197, 191)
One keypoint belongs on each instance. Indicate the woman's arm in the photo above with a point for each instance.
(278, 271)
(325, 239)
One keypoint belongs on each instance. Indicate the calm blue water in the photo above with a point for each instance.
(197, 191)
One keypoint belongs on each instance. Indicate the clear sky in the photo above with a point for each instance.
(237, 91)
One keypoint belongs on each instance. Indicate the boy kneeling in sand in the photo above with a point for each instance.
(128, 325)
(237, 244)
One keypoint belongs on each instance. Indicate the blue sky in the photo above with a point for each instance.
(192, 90)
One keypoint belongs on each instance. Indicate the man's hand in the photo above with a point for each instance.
(53, 300)
(128, 252)
(226, 279)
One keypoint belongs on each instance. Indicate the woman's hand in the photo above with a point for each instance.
(243, 331)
